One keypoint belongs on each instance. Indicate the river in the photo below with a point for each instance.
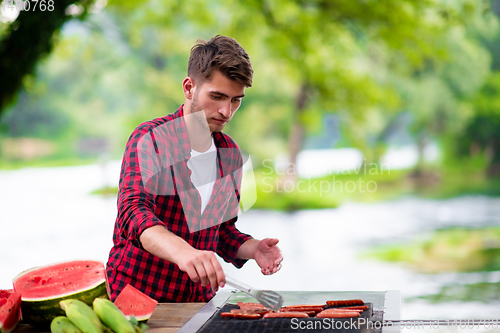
(47, 215)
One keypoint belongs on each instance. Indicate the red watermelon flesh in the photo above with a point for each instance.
(10, 310)
(133, 302)
(60, 279)
(42, 288)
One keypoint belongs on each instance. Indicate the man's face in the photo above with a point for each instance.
(219, 97)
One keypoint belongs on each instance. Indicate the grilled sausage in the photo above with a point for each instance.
(337, 314)
(308, 312)
(305, 306)
(286, 315)
(241, 315)
(248, 311)
(300, 309)
(342, 310)
(360, 307)
(348, 302)
(244, 305)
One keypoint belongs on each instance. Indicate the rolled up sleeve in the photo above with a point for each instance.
(230, 240)
(138, 186)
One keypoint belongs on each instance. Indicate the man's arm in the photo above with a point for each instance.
(198, 264)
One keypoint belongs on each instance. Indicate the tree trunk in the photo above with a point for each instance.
(418, 173)
(296, 135)
(493, 149)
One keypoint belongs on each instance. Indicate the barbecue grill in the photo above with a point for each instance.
(384, 307)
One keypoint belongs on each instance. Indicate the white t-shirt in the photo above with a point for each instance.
(203, 168)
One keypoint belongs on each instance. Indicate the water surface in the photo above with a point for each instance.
(47, 215)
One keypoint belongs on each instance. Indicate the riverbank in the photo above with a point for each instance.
(57, 219)
(275, 192)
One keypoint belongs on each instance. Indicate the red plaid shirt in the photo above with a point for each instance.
(155, 189)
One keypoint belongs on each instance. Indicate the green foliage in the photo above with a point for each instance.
(485, 292)
(455, 250)
(30, 118)
(483, 129)
(106, 191)
(345, 53)
(276, 192)
(49, 162)
(90, 90)
(363, 61)
(438, 94)
(29, 38)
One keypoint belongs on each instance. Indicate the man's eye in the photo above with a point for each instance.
(216, 97)
(237, 100)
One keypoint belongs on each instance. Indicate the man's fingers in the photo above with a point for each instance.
(191, 271)
(211, 275)
(209, 271)
(214, 271)
(277, 268)
(202, 274)
(220, 276)
(202, 266)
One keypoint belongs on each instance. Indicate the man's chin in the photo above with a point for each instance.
(216, 129)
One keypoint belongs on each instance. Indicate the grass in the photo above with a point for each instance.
(106, 191)
(464, 177)
(446, 250)
(276, 192)
(45, 163)
(485, 292)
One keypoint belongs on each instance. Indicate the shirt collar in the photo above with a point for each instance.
(182, 133)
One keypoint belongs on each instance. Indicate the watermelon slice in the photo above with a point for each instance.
(10, 310)
(133, 302)
(42, 288)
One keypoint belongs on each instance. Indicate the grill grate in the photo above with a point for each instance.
(217, 324)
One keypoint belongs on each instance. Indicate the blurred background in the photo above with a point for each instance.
(373, 129)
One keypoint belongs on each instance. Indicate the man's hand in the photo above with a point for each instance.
(268, 256)
(265, 252)
(200, 265)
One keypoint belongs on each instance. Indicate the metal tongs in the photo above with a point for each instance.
(268, 298)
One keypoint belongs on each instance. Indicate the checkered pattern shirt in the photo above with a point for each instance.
(155, 189)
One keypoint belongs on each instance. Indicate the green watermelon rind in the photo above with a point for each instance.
(41, 312)
(142, 319)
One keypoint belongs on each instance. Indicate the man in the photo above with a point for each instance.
(179, 189)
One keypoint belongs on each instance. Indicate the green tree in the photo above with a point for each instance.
(438, 95)
(28, 39)
(324, 56)
(483, 129)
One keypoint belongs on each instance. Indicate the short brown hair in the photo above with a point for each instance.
(220, 53)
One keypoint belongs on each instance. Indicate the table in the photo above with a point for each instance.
(167, 318)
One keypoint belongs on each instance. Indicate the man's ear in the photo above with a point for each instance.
(188, 87)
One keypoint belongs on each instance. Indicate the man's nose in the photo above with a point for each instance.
(225, 109)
